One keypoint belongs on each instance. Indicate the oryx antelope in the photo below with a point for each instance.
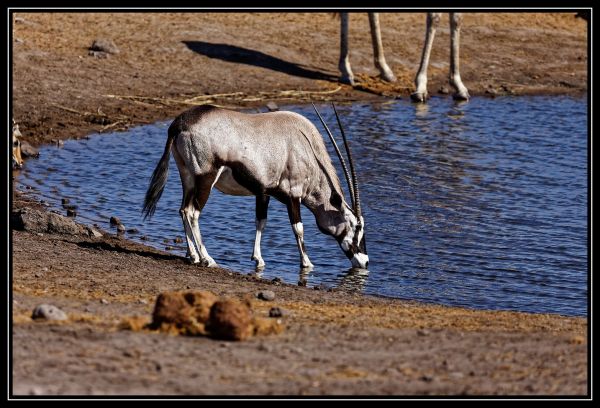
(17, 158)
(276, 154)
(420, 94)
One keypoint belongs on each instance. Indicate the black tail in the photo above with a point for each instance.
(159, 177)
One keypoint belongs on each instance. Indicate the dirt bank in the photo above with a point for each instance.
(335, 342)
(60, 91)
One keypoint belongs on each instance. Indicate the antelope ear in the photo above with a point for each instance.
(336, 200)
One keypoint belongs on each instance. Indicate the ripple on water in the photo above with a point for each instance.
(481, 205)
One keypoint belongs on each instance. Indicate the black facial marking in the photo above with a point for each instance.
(336, 200)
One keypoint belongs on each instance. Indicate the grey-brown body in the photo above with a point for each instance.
(420, 94)
(276, 154)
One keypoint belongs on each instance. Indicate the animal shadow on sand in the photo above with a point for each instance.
(232, 53)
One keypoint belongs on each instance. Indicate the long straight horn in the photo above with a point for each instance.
(339, 154)
(352, 170)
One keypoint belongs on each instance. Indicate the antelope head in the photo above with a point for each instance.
(17, 159)
(351, 237)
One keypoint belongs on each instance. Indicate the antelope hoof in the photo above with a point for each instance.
(348, 80)
(461, 96)
(419, 97)
(209, 263)
(260, 263)
(388, 76)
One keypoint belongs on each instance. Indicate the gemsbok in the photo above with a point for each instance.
(420, 94)
(275, 154)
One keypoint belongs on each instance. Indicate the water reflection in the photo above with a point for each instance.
(353, 280)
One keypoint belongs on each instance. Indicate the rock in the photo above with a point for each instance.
(277, 281)
(104, 301)
(65, 201)
(276, 312)
(48, 312)
(320, 286)
(132, 231)
(98, 54)
(178, 240)
(120, 228)
(104, 45)
(28, 150)
(39, 222)
(230, 320)
(443, 90)
(267, 295)
(272, 106)
(71, 213)
(94, 233)
(115, 221)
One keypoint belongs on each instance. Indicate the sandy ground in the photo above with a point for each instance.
(335, 342)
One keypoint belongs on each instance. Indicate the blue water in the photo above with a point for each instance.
(483, 205)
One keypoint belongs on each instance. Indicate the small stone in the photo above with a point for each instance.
(264, 347)
(104, 45)
(65, 201)
(48, 312)
(95, 233)
(277, 281)
(178, 240)
(267, 295)
(444, 90)
(169, 248)
(320, 286)
(71, 213)
(272, 106)
(132, 231)
(276, 312)
(115, 221)
(426, 378)
(104, 301)
(120, 228)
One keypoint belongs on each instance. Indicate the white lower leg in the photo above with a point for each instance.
(344, 63)
(299, 231)
(420, 94)
(455, 80)
(205, 258)
(191, 251)
(256, 255)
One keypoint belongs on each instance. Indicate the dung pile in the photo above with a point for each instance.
(202, 313)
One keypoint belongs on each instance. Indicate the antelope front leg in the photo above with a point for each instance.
(344, 64)
(296, 221)
(462, 93)
(384, 70)
(421, 95)
(262, 204)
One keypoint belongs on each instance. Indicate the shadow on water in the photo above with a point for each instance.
(232, 53)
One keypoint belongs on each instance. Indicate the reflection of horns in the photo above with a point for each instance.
(352, 171)
(337, 150)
